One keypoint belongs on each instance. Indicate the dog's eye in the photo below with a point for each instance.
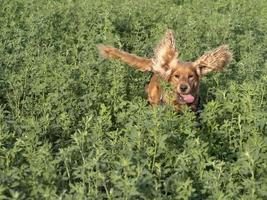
(191, 77)
(176, 76)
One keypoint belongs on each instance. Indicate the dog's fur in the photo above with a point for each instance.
(183, 77)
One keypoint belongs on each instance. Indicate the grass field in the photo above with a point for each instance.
(74, 126)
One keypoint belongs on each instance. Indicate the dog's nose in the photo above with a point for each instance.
(183, 87)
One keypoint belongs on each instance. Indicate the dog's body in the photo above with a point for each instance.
(182, 77)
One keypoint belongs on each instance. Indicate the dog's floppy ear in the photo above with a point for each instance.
(165, 55)
(213, 60)
(140, 63)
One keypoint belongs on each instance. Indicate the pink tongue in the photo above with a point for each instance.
(188, 98)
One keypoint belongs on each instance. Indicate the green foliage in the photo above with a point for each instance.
(73, 126)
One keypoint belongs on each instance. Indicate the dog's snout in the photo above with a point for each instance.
(183, 87)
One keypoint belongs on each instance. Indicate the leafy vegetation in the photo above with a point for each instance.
(74, 126)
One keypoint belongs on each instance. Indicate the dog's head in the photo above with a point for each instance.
(185, 76)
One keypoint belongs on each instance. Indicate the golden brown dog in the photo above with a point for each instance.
(173, 82)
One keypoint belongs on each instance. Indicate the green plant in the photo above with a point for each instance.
(73, 126)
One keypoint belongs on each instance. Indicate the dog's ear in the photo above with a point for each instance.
(140, 63)
(165, 55)
(213, 60)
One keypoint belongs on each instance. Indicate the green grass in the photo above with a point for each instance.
(73, 126)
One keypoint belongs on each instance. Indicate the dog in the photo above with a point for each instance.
(173, 82)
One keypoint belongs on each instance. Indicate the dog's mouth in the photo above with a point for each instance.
(185, 98)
